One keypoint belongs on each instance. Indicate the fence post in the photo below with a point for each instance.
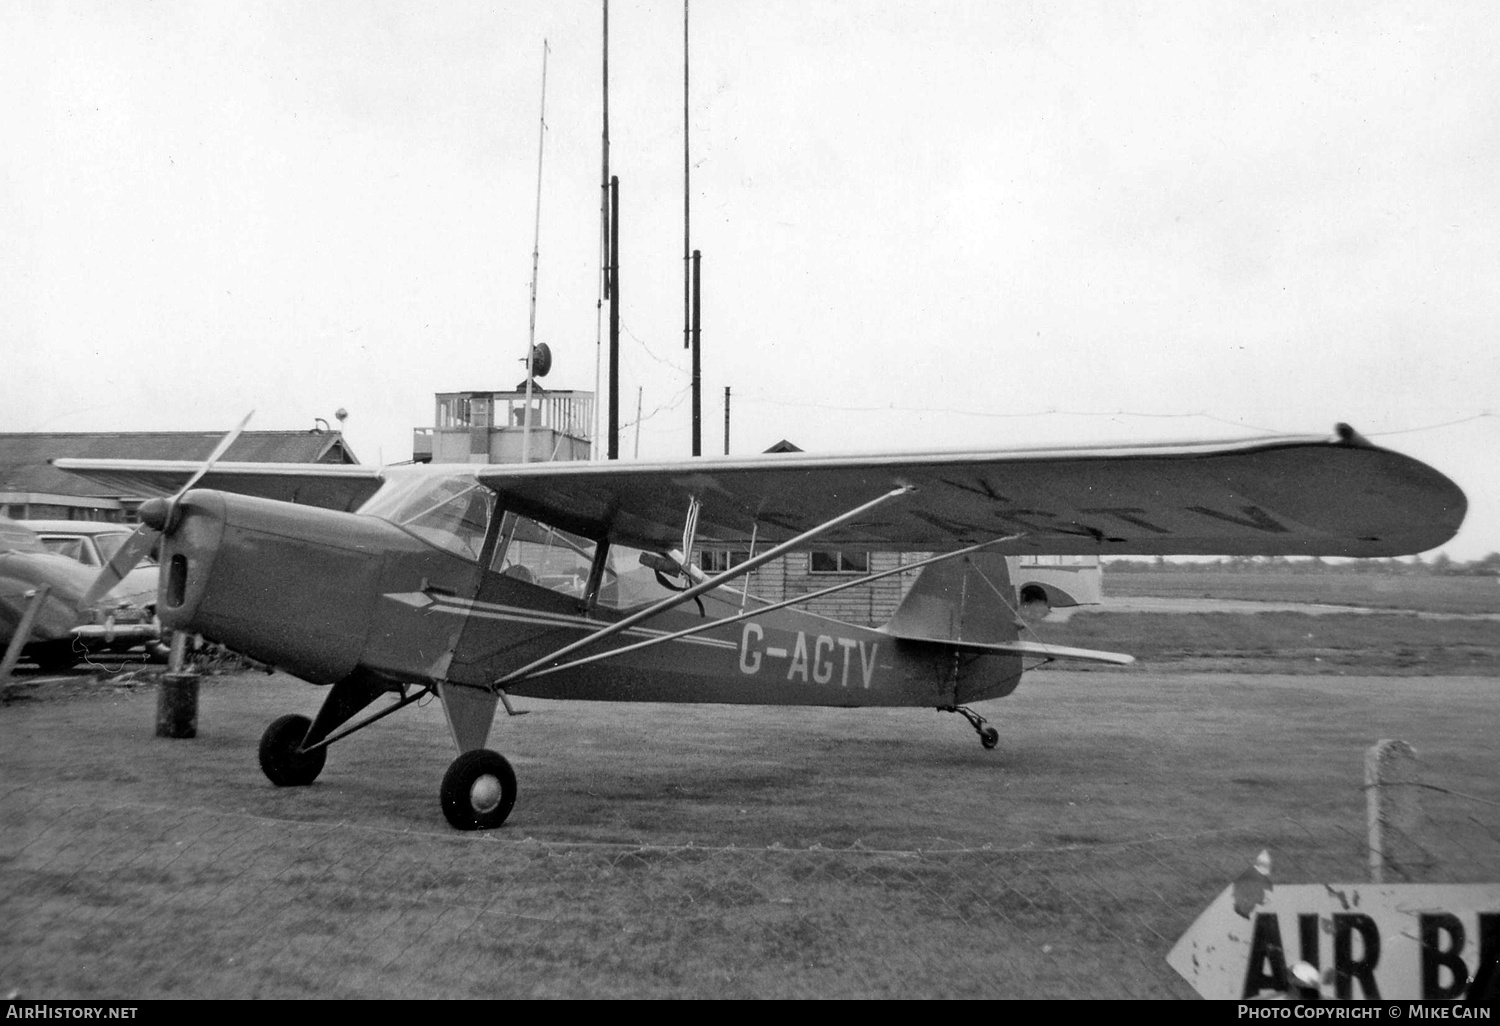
(1392, 807)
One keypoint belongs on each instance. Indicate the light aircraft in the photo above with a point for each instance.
(480, 583)
(45, 605)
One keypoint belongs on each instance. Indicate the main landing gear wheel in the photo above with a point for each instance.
(479, 790)
(280, 759)
(989, 737)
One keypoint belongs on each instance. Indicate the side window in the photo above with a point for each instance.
(538, 554)
(717, 562)
(834, 561)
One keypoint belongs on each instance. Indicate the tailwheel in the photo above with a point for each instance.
(281, 757)
(988, 735)
(478, 790)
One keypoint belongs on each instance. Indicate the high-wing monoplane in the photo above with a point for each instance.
(481, 583)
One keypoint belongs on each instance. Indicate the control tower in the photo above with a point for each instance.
(490, 427)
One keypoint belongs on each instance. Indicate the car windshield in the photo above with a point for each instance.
(70, 547)
(109, 544)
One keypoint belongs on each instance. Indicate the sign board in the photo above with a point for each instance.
(1358, 941)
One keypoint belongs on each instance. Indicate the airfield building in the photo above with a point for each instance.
(32, 489)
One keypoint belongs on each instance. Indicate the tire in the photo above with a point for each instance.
(479, 790)
(282, 764)
(54, 656)
(989, 737)
(1034, 603)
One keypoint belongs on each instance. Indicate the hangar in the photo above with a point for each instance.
(32, 489)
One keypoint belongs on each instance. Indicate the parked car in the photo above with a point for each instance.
(93, 543)
(126, 617)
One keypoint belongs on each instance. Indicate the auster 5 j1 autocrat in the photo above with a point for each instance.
(480, 583)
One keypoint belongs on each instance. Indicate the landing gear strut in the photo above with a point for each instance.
(988, 736)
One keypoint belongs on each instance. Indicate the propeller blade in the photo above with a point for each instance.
(145, 536)
(213, 457)
(124, 561)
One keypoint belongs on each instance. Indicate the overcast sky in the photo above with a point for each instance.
(923, 224)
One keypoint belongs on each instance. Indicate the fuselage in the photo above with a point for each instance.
(459, 591)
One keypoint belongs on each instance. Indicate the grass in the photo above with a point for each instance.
(1276, 642)
(698, 851)
(1427, 593)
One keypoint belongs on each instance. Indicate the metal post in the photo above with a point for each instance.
(697, 360)
(686, 181)
(177, 652)
(23, 632)
(614, 318)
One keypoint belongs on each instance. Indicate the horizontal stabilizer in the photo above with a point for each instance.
(1032, 648)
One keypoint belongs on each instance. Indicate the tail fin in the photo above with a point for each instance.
(969, 602)
(965, 599)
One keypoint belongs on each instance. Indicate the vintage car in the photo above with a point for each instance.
(124, 619)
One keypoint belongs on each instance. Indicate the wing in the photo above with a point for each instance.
(1338, 496)
(340, 486)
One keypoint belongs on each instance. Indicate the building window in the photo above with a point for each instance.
(832, 561)
(720, 561)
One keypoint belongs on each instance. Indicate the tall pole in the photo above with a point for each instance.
(604, 228)
(686, 181)
(614, 317)
(536, 248)
(697, 361)
(726, 420)
(604, 284)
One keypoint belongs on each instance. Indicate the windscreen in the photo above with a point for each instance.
(452, 513)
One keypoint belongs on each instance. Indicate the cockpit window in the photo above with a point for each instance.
(452, 513)
(539, 554)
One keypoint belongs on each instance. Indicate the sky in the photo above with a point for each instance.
(923, 225)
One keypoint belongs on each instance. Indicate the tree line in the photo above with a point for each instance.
(1439, 565)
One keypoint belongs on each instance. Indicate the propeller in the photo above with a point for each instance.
(158, 516)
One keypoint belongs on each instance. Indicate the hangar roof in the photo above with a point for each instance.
(24, 456)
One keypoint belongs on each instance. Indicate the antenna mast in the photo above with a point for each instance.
(690, 258)
(536, 247)
(605, 286)
(687, 252)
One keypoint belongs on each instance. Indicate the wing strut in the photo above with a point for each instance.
(759, 610)
(701, 587)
